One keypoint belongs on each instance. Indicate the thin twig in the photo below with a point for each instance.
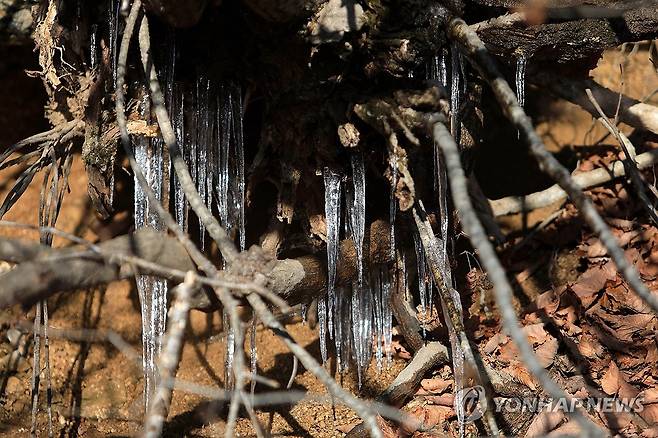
(215, 230)
(170, 357)
(630, 164)
(450, 305)
(477, 53)
(497, 275)
(361, 408)
(584, 180)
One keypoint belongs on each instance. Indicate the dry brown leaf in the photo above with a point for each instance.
(649, 396)
(441, 400)
(536, 333)
(616, 420)
(520, 374)
(610, 380)
(543, 423)
(614, 383)
(435, 386)
(628, 327)
(650, 414)
(591, 282)
(589, 347)
(508, 352)
(651, 432)
(546, 352)
(494, 342)
(549, 301)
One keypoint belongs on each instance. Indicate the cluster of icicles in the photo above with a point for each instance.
(208, 125)
(207, 121)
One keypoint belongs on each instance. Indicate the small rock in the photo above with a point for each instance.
(14, 385)
(348, 135)
(334, 19)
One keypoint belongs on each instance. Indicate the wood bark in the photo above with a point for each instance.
(42, 271)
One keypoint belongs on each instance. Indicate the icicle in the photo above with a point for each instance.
(362, 312)
(239, 186)
(422, 272)
(253, 353)
(342, 329)
(392, 209)
(378, 315)
(224, 114)
(152, 291)
(455, 92)
(302, 312)
(520, 78)
(358, 209)
(332, 200)
(322, 327)
(203, 131)
(443, 68)
(178, 120)
(93, 46)
(230, 351)
(403, 274)
(191, 138)
(387, 314)
(113, 25)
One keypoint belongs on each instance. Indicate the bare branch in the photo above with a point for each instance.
(482, 60)
(428, 357)
(585, 180)
(169, 358)
(219, 235)
(631, 111)
(496, 272)
(629, 160)
(360, 407)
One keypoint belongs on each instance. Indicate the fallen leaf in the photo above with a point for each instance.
(589, 347)
(651, 432)
(544, 422)
(494, 342)
(442, 400)
(520, 374)
(590, 283)
(616, 420)
(546, 352)
(650, 414)
(435, 386)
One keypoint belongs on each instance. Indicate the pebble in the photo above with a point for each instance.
(14, 385)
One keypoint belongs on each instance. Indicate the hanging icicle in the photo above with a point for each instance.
(113, 27)
(332, 201)
(362, 314)
(322, 327)
(149, 155)
(239, 181)
(392, 209)
(178, 122)
(203, 142)
(253, 353)
(521, 62)
(421, 266)
(358, 209)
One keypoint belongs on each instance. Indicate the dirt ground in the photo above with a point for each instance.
(97, 387)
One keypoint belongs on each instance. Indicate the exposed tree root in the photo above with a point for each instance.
(585, 180)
